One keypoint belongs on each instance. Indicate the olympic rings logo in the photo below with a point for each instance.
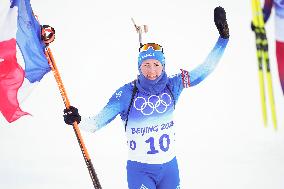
(154, 102)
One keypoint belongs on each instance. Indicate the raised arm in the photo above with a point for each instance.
(202, 71)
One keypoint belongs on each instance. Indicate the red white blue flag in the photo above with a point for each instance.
(279, 32)
(19, 27)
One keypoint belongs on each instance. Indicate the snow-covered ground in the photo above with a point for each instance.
(222, 142)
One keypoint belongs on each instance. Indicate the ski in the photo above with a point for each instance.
(263, 62)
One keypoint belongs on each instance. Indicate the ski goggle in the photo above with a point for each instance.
(155, 46)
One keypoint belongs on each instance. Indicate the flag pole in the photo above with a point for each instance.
(66, 101)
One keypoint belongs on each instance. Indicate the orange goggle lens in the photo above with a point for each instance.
(155, 46)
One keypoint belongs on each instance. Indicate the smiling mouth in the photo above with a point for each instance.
(152, 77)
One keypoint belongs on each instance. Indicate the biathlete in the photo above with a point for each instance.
(146, 107)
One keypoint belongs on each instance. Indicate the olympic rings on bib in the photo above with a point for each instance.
(154, 102)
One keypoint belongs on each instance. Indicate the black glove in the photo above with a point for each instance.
(71, 115)
(221, 22)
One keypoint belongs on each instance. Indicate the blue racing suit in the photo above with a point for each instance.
(150, 130)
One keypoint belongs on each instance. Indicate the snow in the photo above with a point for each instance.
(222, 142)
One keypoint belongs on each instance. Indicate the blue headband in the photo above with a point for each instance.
(151, 54)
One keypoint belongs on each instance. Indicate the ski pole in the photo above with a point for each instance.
(66, 101)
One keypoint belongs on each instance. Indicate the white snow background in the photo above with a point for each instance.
(222, 142)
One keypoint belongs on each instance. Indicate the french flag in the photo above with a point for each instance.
(279, 33)
(19, 27)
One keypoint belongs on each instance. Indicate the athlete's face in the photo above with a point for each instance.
(151, 69)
